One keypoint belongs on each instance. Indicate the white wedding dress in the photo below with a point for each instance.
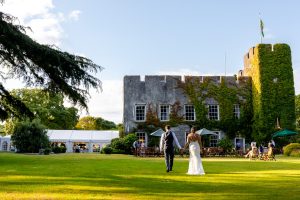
(195, 164)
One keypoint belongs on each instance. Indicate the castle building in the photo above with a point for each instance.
(267, 69)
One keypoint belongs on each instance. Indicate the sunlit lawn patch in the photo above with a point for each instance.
(95, 176)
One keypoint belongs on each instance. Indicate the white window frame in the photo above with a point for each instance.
(214, 139)
(142, 137)
(135, 112)
(167, 112)
(4, 146)
(218, 111)
(236, 111)
(185, 113)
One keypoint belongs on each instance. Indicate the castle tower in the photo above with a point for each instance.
(273, 93)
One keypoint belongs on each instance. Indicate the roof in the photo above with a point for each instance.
(77, 136)
(6, 137)
(81, 135)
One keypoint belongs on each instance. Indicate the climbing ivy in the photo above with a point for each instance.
(273, 90)
(152, 117)
(175, 117)
(264, 95)
(227, 94)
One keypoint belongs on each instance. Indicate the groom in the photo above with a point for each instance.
(167, 144)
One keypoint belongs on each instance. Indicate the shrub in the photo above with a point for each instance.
(106, 150)
(123, 145)
(29, 137)
(117, 143)
(56, 149)
(59, 149)
(292, 149)
(63, 149)
(226, 144)
(128, 141)
(295, 153)
(47, 151)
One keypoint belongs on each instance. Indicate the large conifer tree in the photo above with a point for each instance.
(41, 66)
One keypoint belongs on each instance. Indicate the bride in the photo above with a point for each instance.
(195, 164)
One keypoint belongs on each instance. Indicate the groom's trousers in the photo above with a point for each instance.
(169, 157)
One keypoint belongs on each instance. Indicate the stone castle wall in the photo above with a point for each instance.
(267, 66)
(156, 90)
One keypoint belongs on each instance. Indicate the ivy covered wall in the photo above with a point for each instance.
(273, 91)
(264, 90)
(226, 93)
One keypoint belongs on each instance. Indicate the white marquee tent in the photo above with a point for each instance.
(72, 137)
(5, 143)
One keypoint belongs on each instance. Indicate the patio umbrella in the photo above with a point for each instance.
(284, 132)
(204, 131)
(157, 133)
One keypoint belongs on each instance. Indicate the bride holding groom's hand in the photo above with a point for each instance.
(194, 144)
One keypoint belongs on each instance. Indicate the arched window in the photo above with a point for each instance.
(4, 146)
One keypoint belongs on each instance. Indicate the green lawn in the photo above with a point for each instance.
(96, 176)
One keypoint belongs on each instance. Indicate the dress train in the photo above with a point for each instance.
(195, 163)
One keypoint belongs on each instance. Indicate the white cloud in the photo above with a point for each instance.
(74, 15)
(46, 25)
(40, 16)
(47, 30)
(107, 104)
(26, 9)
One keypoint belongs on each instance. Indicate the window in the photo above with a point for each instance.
(140, 112)
(213, 139)
(189, 113)
(4, 146)
(236, 111)
(213, 112)
(141, 137)
(164, 112)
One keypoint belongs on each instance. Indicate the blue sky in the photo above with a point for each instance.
(148, 37)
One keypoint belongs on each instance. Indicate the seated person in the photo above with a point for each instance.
(252, 153)
(270, 155)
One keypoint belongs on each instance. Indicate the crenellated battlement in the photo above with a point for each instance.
(258, 49)
(263, 90)
(172, 80)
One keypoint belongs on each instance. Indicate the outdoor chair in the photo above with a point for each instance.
(211, 151)
(203, 152)
(143, 151)
(239, 153)
(263, 154)
(220, 151)
(232, 152)
(150, 151)
(270, 155)
(253, 154)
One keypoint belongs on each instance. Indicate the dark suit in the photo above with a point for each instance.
(167, 144)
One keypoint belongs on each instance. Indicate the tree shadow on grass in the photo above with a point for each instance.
(146, 178)
(159, 186)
